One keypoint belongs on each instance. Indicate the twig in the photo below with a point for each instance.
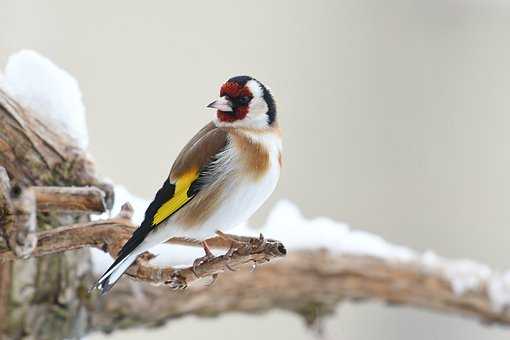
(110, 236)
(85, 200)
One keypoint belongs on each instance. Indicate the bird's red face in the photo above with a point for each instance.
(234, 102)
(240, 97)
(244, 102)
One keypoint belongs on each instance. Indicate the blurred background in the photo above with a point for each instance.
(399, 108)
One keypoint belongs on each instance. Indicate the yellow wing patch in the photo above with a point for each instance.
(179, 198)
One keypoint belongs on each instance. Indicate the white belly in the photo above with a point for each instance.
(242, 201)
(242, 197)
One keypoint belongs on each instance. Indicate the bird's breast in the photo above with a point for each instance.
(245, 175)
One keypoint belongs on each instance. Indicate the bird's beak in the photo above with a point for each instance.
(222, 104)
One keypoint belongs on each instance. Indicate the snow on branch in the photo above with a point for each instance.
(48, 91)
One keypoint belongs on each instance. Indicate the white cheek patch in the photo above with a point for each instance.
(255, 88)
(258, 107)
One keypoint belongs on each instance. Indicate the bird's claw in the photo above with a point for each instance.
(259, 243)
(201, 260)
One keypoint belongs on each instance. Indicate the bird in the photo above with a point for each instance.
(218, 180)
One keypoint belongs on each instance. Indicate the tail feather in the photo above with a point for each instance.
(127, 255)
(141, 240)
(113, 274)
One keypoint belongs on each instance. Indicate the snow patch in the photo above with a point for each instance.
(286, 224)
(499, 291)
(101, 260)
(49, 91)
(122, 195)
(464, 275)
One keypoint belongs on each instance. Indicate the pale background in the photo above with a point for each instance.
(395, 116)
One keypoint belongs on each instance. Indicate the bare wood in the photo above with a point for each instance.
(110, 236)
(85, 200)
(255, 251)
(308, 283)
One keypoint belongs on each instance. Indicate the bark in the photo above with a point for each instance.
(310, 283)
(110, 235)
(84, 200)
(44, 299)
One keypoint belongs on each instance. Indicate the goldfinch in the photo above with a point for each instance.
(219, 179)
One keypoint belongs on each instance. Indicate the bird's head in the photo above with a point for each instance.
(245, 102)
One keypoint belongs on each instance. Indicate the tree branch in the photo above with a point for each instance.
(310, 283)
(318, 279)
(84, 200)
(110, 236)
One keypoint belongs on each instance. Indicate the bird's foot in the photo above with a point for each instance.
(259, 243)
(201, 260)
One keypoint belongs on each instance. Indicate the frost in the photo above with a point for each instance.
(49, 91)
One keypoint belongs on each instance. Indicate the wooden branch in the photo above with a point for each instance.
(110, 236)
(310, 283)
(304, 279)
(85, 200)
(252, 250)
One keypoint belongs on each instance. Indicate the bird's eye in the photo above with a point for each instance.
(243, 100)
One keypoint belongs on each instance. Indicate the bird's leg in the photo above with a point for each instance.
(208, 255)
(228, 254)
